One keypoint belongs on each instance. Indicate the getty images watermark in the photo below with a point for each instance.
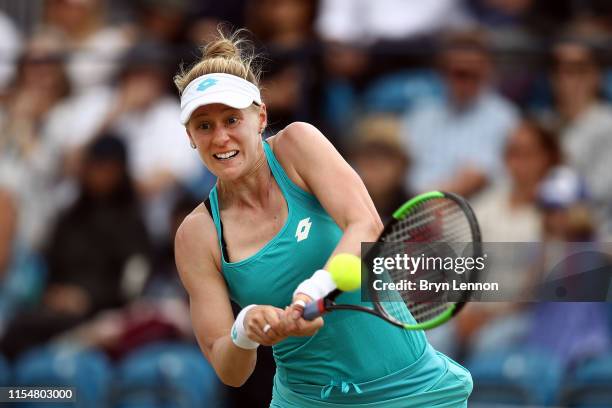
(430, 273)
(489, 271)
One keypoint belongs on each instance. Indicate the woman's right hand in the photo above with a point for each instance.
(264, 324)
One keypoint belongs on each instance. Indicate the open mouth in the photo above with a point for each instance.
(226, 155)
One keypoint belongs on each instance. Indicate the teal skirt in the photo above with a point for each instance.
(434, 381)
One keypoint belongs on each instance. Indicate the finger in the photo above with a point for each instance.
(254, 328)
(273, 328)
(273, 337)
(298, 305)
(309, 327)
(288, 321)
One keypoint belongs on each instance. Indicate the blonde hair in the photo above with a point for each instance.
(228, 54)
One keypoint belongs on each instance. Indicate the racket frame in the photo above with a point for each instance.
(327, 303)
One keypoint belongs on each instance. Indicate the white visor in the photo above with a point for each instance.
(227, 89)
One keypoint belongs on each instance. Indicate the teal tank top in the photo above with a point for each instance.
(352, 347)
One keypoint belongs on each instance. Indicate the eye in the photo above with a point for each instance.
(204, 126)
(232, 120)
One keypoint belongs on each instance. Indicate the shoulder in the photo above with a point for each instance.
(196, 239)
(490, 200)
(497, 104)
(296, 138)
(297, 147)
(424, 114)
(600, 113)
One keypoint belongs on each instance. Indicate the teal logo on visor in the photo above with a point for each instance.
(207, 83)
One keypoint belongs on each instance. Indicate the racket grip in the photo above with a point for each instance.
(314, 309)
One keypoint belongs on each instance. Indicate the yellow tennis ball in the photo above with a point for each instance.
(345, 270)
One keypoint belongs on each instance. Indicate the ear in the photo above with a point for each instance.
(263, 116)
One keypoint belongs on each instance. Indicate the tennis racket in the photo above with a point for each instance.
(431, 222)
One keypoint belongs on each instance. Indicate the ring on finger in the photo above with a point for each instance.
(299, 303)
(266, 328)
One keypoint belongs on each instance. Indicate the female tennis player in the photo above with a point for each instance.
(280, 209)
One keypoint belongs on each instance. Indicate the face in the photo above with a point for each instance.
(101, 178)
(228, 139)
(465, 72)
(70, 15)
(575, 74)
(527, 160)
(288, 15)
(43, 72)
(42, 67)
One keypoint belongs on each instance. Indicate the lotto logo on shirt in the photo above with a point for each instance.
(303, 229)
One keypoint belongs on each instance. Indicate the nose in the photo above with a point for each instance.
(220, 136)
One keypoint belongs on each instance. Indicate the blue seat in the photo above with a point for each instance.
(607, 84)
(5, 372)
(590, 385)
(398, 92)
(89, 371)
(168, 375)
(515, 376)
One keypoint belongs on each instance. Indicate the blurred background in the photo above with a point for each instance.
(506, 102)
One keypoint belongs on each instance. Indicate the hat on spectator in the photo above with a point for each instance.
(562, 188)
(383, 130)
(379, 134)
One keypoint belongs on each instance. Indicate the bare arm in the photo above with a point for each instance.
(210, 309)
(321, 170)
(334, 182)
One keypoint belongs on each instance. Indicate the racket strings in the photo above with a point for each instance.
(434, 221)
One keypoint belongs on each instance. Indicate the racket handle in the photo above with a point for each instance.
(314, 309)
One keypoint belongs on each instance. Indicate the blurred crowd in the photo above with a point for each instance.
(506, 102)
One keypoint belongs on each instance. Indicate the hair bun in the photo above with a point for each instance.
(221, 48)
(230, 54)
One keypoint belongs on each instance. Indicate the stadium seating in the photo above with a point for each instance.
(590, 385)
(515, 376)
(5, 372)
(168, 375)
(87, 370)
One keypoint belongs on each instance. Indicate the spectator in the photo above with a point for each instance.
(573, 331)
(163, 21)
(521, 17)
(508, 212)
(141, 110)
(592, 19)
(354, 53)
(456, 143)
(98, 251)
(285, 28)
(29, 160)
(9, 50)
(167, 24)
(379, 159)
(158, 312)
(386, 19)
(94, 46)
(207, 15)
(21, 270)
(584, 120)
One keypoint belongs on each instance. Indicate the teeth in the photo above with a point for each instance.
(226, 155)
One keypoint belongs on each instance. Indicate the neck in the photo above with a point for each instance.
(572, 108)
(250, 190)
(522, 195)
